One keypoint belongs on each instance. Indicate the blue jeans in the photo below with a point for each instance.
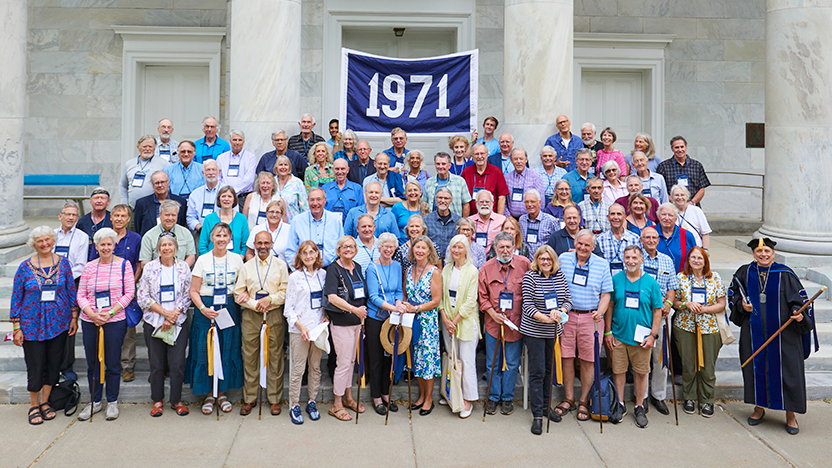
(502, 384)
(113, 339)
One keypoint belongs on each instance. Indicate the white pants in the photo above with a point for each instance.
(466, 351)
(658, 379)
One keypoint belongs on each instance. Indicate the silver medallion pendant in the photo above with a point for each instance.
(762, 298)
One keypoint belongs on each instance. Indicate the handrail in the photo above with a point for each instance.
(761, 187)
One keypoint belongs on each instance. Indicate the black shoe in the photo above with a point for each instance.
(393, 407)
(537, 426)
(641, 416)
(754, 422)
(623, 410)
(792, 430)
(646, 406)
(689, 406)
(380, 409)
(554, 416)
(506, 408)
(660, 406)
(425, 412)
(415, 407)
(708, 410)
(491, 407)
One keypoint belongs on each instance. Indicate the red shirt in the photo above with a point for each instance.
(491, 179)
(492, 282)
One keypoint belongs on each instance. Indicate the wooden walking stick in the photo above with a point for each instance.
(597, 370)
(666, 352)
(392, 371)
(780, 330)
(491, 376)
(555, 355)
(409, 398)
(697, 363)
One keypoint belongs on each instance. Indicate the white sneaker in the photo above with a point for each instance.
(112, 410)
(465, 414)
(89, 410)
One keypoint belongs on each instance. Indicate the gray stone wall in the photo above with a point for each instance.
(490, 39)
(311, 72)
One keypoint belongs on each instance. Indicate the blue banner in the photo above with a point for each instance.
(436, 95)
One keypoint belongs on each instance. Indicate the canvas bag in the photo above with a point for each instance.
(451, 388)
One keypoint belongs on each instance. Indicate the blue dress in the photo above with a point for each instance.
(426, 360)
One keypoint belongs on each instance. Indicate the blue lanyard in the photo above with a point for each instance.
(638, 284)
(306, 277)
(185, 177)
(139, 163)
(207, 191)
(505, 278)
(257, 267)
(487, 226)
(387, 275)
(484, 181)
(72, 236)
(618, 245)
(368, 251)
(97, 265)
(275, 237)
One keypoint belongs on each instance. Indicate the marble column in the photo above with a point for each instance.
(798, 189)
(537, 75)
(13, 21)
(264, 88)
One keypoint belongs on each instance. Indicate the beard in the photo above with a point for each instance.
(504, 259)
(588, 141)
(484, 210)
(631, 269)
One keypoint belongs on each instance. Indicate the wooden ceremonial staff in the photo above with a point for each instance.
(672, 375)
(697, 344)
(550, 383)
(491, 376)
(361, 369)
(790, 320)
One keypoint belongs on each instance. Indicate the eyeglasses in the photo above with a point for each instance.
(273, 212)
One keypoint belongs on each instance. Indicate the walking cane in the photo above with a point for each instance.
(97, 369)
(697, 364)
(409, 398)
(666, 352)
(360, 351)
(597, 369)
(555, 354)
(392, 371)
(491, 376)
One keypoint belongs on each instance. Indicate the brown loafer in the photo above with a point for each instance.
(245, 410)
(275, 408)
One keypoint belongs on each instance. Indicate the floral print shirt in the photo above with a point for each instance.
(714, 290)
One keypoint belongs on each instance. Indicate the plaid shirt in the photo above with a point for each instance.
(441, 233)
(545, 224)
(661, 268)
(613, 248)
(549, 181)
(670, 169)
(528, 180)
(595, 215)
(458, 188)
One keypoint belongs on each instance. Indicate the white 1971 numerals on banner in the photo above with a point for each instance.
(398, 95)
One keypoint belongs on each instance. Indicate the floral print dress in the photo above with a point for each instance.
(427, 363)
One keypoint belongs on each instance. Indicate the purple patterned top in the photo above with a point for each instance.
(42, 321)
(149, 285)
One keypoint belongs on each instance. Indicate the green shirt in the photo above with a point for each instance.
(624, 319)
(184, 239)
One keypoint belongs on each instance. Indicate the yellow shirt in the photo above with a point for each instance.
(273, 275)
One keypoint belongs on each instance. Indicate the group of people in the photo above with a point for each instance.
(218, 256)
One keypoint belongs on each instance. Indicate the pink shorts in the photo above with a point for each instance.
(579, 337)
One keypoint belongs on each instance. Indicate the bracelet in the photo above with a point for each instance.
(608, 333)
(201, 307)
(668, 303)
(113, 313)
(16, 326)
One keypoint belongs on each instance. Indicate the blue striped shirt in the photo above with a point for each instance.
(598, 280)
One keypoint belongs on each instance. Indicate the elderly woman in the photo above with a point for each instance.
(415, 227)
(614, 188)
(415, 163)
(511, 226)
(212, 286)
(460, 315)
(265, 191)
(546, 301)
(290, 189)
(43, 313)
(460, 145)
(691, 217)
(236, 221)
(346, 291)
(550, 174)
(638, 207)
(275, 212)
(348, 142)
(384, 284)
(107, 287)
(304, 311)
(700, 296)
(424, 293)
(562, 199)
(676, 242)
(163, 295)
(411, 205)
(467, 228)
(320, 170)
(644, 144)
(651, 181)
(609, 153)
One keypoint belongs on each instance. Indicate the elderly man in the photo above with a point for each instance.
(168, 214)
(269, 160)
(660, 267)
(634, 185)
(482, 176)
(146, 214)
(518, 181)
(185, 175)
(261, 291)
(98, 218)
(166, 148)
(683, 170)
(322, 227)
(237, 166)
(537, 226)
(342, 195)
(363, 165)
(653, 183)
(461, 197)
(203, 200)
(500, 299)
(384, 218)
(210, 146)
(613, 241)
(392, 189)
(397, 152)
(441, 222)
(564, 240)
(487, 223)
(675, 241)
(135, 179)
(578, 177)
(596, 208)
(590, 285)
(502, 160)
(632, 328)
(489, 125)
(588, 137)
(306, 139)
(565, 143)
(72, 243)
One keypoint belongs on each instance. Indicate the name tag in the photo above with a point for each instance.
(260, 295)
(631, 299)
(646, 192)
(452, 294)
(699, 294)
(482, 238)
(261, 218)
(477, 190)
(167, 293)
(357, 290)
(550, 300)
(531, 236)
(654, 272)
(517, 195)
(316, 299)
(62, 250)
(321, 249)
(233, 170)
(164, 151)
(207, 208)
(682, 179)
(48, 292)
(138, 179)
(506, 300)
(586, 195)
(220, 296)
(102, 300)
(338, 209)
(616, 267)
(580, 276)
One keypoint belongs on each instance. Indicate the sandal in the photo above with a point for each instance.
(156, 409)
(34, 413)
(45, 413)
(353, 405)
(565, 406)
(180, 409)
(225, 405)
(583, 411)
(208, 406)
(340, 414)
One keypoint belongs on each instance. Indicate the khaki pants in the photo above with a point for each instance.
(303, 352)
(250, 328)
(686, 342)
(128, 350)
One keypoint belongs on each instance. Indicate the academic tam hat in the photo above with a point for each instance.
(761, 242)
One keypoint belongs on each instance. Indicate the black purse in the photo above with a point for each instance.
(65, 396)
(341, 291)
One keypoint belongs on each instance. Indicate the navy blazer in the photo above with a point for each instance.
(497, 161)
(355, 173)
(146, 211)
(561, 241)
(268, 160)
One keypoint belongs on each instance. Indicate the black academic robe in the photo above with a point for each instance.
(775, 379)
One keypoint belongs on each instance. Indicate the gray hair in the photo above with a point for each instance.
(239, 133)
(583, 151)
(634, 153)
(594, 180)
(547, 149)
(532, 192)
(386, 237)
(410, 155)
(310, 116)
(278, 132)
(466, 222)
(609, 164)
(212, 162)
(40, 231)
(168, 237)
(680, 188)
(105, 233)
(668, 207)
(155, 173)
(486, 193)
(443, 190)
(371, 183)
(146, 137)
(586, 232)
(350, 134)
(168, 205)
(634, 177)
(635, 247)
(449, 259)
(441, 154)
(365, 215)
(589, 125)
(504, 236)
(70, 204)
(214, 119)
(521, 150)
(419, 219)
